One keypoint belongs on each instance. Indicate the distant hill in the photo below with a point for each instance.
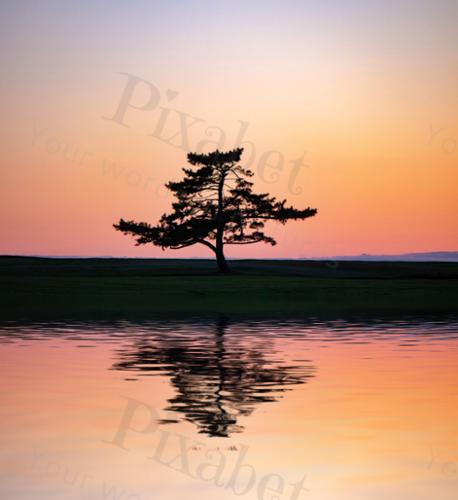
(406, 257)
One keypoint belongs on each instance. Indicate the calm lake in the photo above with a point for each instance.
(224, 408)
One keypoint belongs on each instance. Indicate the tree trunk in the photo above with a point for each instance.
(221, 261)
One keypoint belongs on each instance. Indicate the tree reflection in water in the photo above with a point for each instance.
(218, 375)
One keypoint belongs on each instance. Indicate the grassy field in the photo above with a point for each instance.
(109, 288)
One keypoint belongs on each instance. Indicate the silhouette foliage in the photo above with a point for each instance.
(215, 206)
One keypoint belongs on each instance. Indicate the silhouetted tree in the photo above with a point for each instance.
(215, 207)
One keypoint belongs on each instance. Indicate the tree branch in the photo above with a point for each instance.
(242, 242)
(208, 244)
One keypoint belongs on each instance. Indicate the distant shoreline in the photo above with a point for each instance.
(437, 256)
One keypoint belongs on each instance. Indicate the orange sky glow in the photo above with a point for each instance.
(351, 109)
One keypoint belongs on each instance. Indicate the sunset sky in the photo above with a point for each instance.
(347, 106)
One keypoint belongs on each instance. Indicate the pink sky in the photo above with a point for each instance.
(364, 95)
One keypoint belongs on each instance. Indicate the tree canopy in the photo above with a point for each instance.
(215, 206)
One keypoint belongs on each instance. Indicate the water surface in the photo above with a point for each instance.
(227, 408)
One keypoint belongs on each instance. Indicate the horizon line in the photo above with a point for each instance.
(364, 256)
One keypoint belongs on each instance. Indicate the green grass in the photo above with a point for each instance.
(33, 287)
